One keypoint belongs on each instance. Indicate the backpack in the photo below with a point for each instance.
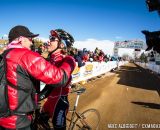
(4, 105)
(5, 110)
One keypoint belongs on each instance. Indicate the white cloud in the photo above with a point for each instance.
(43, 39)
(106, 45)
(5, 35)
(118, 37)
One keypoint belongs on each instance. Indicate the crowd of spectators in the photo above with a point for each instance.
(83, 55)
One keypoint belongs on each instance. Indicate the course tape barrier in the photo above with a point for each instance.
(92, 69)
(151, 66)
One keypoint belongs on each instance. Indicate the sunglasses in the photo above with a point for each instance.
(53, 38)
(45, 44)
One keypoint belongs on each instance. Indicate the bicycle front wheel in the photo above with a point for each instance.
(88, 120)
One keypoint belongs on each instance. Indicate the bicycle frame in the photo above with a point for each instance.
(74, 113)
(71, 125)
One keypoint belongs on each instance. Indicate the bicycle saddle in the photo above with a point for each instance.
(79, 91)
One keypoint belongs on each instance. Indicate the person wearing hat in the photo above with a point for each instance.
(23, 68)
(57, 103)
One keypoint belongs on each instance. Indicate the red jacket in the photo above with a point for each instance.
(50, 104)
(57, 60)
(24, 65)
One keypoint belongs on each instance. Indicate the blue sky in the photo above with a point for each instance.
(84, 19)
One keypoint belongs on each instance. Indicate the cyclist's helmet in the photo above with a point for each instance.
(63, 36)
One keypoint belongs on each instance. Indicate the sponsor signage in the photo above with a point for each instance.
(135, 44)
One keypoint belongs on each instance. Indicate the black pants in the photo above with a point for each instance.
(59, 118)
(25, 128)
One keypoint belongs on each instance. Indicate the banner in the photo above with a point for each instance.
(91, 69)
(133, 44)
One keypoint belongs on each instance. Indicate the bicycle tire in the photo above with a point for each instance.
(91, 117)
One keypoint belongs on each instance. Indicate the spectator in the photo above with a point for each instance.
(40, 49)
(101, 56)
(91, 56)
(79, 58)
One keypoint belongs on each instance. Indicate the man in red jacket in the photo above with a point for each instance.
(23, 67)
(57, 103)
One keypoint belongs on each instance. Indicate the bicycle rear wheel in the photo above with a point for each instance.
(88, 120)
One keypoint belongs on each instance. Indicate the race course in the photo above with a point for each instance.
(129, 96)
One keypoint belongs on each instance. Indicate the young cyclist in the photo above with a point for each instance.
(57, 102)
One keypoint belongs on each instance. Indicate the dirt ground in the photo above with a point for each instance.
(128, 97)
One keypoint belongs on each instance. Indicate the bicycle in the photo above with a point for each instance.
(81, 122)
